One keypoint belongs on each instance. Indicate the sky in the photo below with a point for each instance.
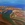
(12, 1)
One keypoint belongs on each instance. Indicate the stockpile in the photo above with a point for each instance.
(18, 17)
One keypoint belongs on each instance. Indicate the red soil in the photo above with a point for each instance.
(5, 21)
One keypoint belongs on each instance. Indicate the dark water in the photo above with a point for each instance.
(9, 11)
